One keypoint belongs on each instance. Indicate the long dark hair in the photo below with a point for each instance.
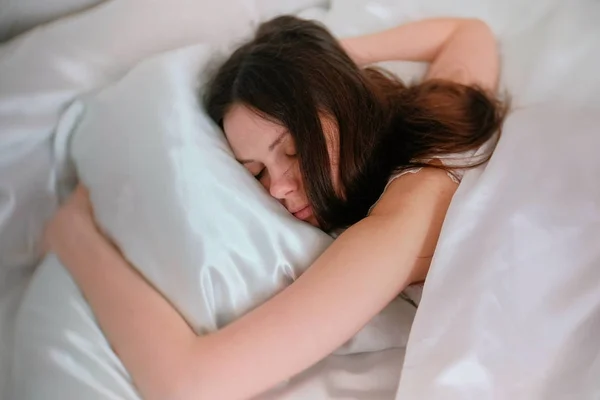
(294, 70)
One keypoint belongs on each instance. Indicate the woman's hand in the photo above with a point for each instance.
(145, 331)
(75, 216)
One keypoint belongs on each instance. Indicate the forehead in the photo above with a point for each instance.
(244, 126)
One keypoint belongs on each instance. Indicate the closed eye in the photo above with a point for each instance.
(260, 174)
(290, 148)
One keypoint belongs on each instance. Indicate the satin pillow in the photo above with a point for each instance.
(168, 191)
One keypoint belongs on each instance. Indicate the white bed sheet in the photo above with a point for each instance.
(17, 16)
(550, 51)
(12, 289)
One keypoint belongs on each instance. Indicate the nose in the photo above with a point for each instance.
(283, 183)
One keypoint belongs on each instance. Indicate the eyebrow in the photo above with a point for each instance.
(272, 146)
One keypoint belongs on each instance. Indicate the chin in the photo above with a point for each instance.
(313, 221)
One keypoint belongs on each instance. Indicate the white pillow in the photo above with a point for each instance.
(166, 188)
(43, 71)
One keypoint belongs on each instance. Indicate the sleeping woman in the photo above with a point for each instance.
(347, 148)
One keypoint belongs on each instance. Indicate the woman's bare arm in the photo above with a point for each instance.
(459, 49)
(364, 269)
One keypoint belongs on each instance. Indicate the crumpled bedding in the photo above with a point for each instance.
(18, 16)
(514, 283)
(521, 239)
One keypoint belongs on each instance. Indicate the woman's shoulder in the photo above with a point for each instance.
(452, 167)
(405, 179)
(423, 185)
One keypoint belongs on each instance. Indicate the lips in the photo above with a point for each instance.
(303, 213)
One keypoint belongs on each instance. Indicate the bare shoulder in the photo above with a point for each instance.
(429, 190)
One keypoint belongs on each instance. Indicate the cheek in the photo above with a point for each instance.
(297, 176)
(334, 165)
(330, 130)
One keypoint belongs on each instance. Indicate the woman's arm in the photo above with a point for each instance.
(146, 332)
(459, 49)
(355, 278)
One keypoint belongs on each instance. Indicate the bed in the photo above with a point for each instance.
(511, 309)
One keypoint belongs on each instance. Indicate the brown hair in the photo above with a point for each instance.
(294, 70)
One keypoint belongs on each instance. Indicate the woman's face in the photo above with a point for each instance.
(267, 150)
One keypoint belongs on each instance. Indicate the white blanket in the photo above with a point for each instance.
(511, 308)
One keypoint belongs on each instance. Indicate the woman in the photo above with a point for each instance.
(333, 143)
